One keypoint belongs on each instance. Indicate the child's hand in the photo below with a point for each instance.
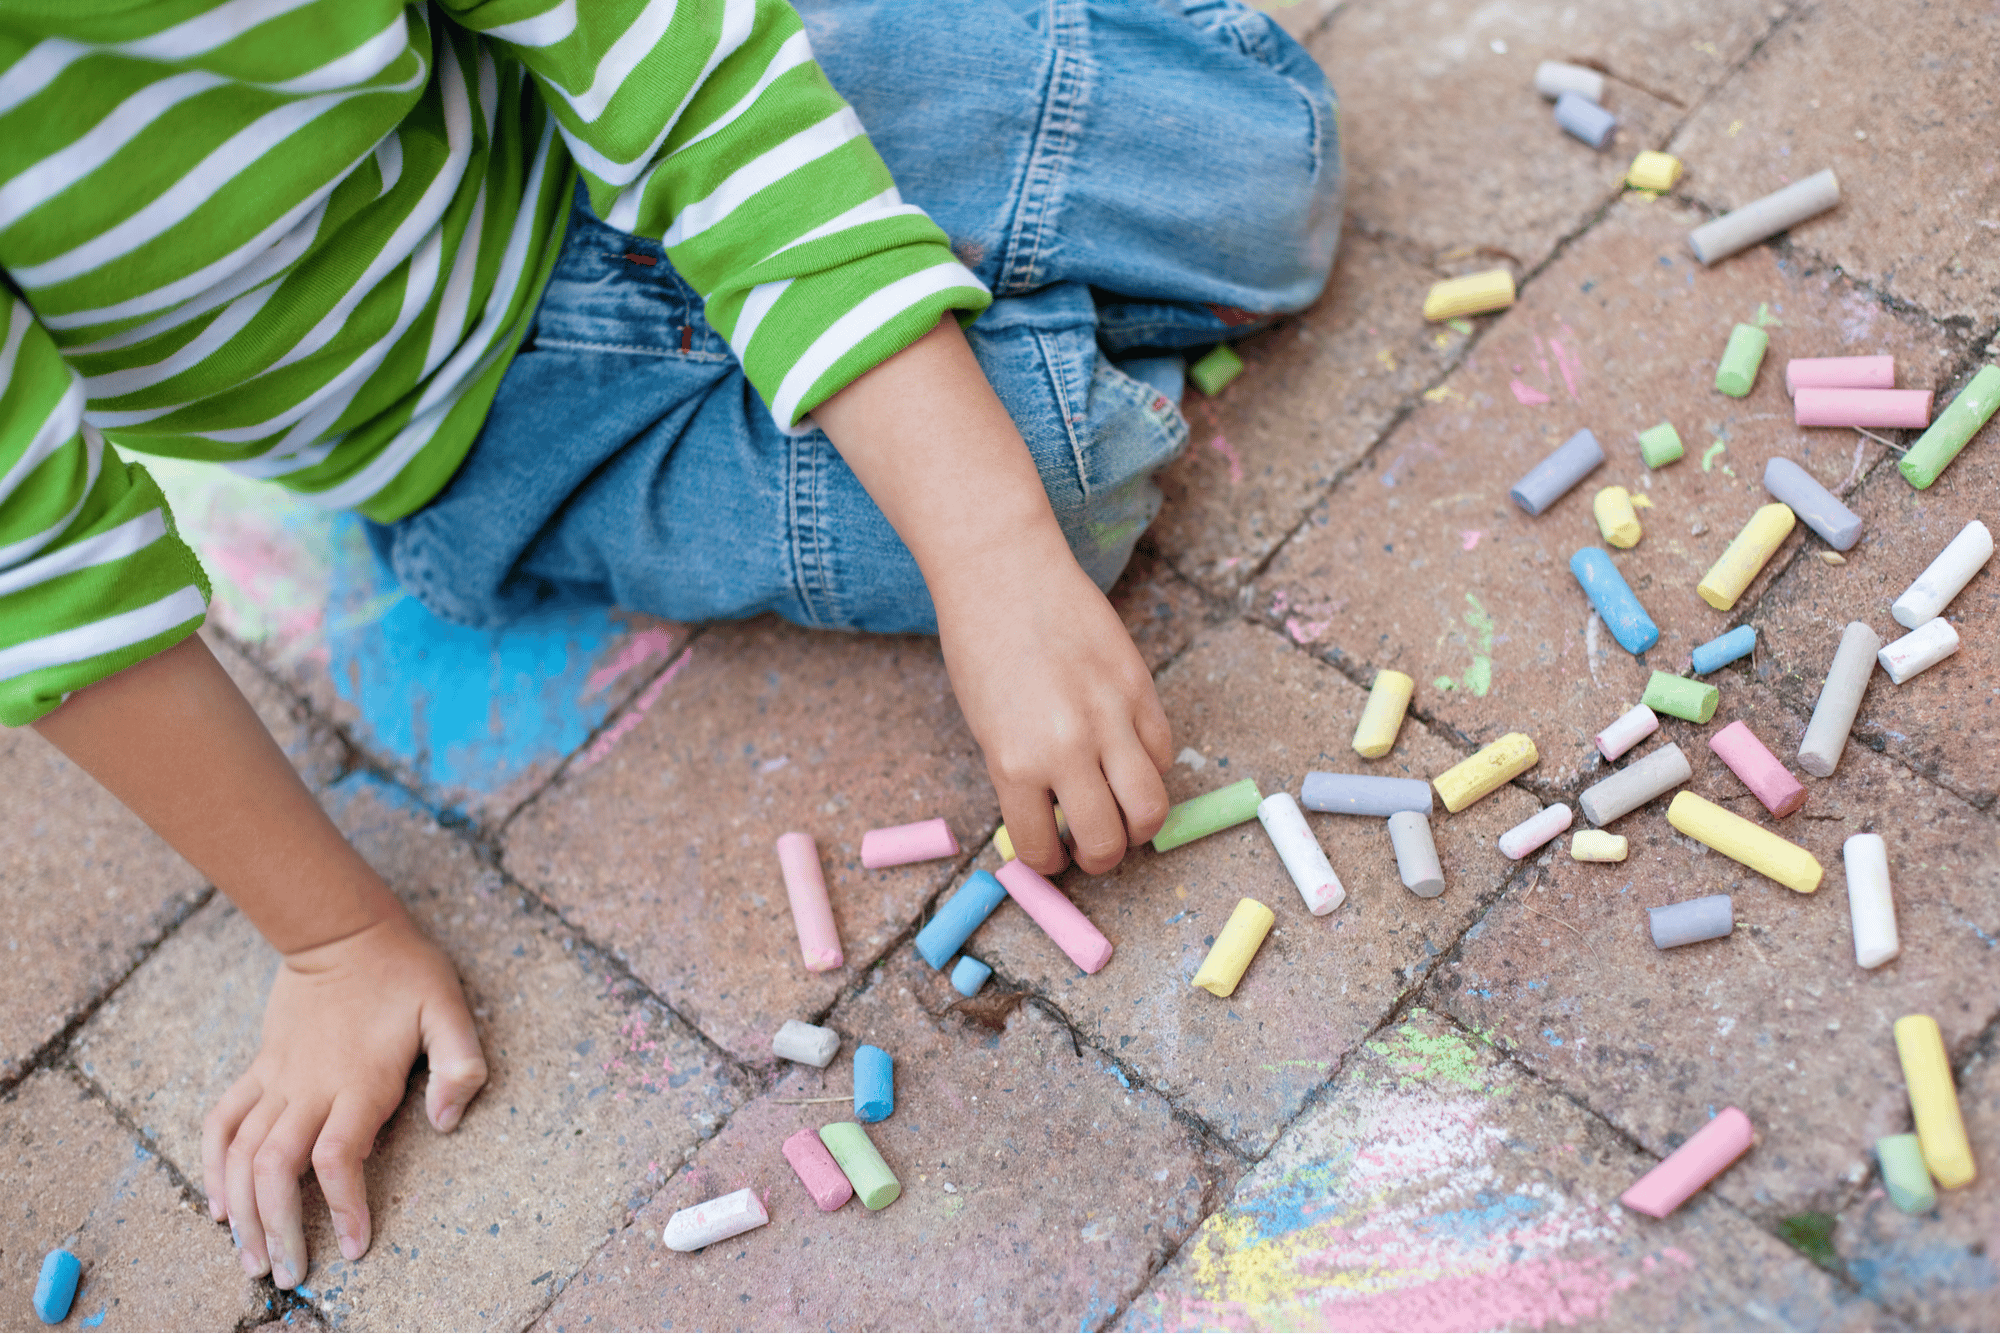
(344, 1024)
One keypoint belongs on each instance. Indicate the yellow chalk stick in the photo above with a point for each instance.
(1235, 947)
(1653, 171)
(1616, 518)
(1744, 841)
(1004, 845)
(1388, 701)
(1502, 762)
(1594, 845)
(1933, 1101)
(1474, 294)
(1728, 577)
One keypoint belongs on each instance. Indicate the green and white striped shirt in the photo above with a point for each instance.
(302, 239)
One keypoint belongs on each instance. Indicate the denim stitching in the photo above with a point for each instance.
(1049, 157)
(807, 536)
(1056, 368)
(638, 349)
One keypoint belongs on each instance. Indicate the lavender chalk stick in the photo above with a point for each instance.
(1614, 600)
(1724, 649)
(1585, 120)
(1818, 508)
(1709, 918)
(1635, 785)
(1364, 794)
(1548, 480)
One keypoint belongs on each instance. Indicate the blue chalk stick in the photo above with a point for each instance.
(969, 976)
(874, 1084)
(958, 917)
(1612, 596)
(1725, 649)
(1585, 119)
(56, 1288)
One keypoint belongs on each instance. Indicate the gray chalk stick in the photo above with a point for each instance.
(1761, 219)
(1709, 918)
(1585, 120)
(1818, 508)
(1416, 854)
(1549, 480)
(1839, 700)
(1635, 785)
(1364, 794)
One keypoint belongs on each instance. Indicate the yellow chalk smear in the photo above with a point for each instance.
(1933, 1101)
(1746, 556)
(1744, 841)
(1388, 701)
(1235, 947)
(1470, 779)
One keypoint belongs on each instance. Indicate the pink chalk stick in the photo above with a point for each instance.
(812, 911)
(1761, 771)
(924, 841)
(1907, 408)
(818, 1172)
(1840, 373)
(1691, 1166)
(1065, 923)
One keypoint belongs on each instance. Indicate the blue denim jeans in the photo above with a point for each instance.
(1124, 174)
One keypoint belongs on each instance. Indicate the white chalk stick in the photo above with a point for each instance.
(1632, 727)
(1941, 581)
(1636, 784)
(714, 1220)
(1839, 700)
(1553, 78)
(805, 1043)
(1535, 831)
(1416, 854)
(1304, 861)
(1919, 651)
(1869, 901)
(1764, 218)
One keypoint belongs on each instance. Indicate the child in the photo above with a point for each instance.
(608, 301)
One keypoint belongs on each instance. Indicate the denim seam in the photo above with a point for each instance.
(637, 349)
(808, 548)
(1054, 147)
(1067, 407)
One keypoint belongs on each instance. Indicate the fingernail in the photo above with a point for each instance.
(448, 1118)
(250, 1265)
(350, 1245)
(281, 1274)
(215, 1209)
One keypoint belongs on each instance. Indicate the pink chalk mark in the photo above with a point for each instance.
(1534, 398)
(608, 740)
(1571, 368)
(650, 643)
(1228, 451)
(1305, 632)
(1469, 538)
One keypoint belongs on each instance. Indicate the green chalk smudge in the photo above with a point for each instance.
(1711, 454)
(1443, 1057)
(1479, 678)
(1812, 1236)
(1459, 325)
(1765, 319)
(1445, 683)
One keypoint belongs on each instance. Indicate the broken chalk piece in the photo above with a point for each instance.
(968, 975)
(1724, 649)
(1742, 841)
(1474, 294)
(1237, 944)
(1617, 521)
(1653, 171)
(1886, 409)
(1957, 424)
(1363, 794)
(812, 911)
(1548, 481)
(1535, 831)
(1762, 772)
(55, 1286)
(1626, 731)
(1878, 372)
(808, 1044)
(1818, 508)
(1690, 1167)
(1761, 219)
(1585, 120)
(816, 1170)
(1693, 700)
(1689, 923)
(1636, 784)
(874, 1084)
(1934, 1101)
(1746, 557)
(714, 1220)
(1062, 920)
(1594, 845)
(1737, 372)
(1904, 1175)
(1839, 700)
(1660, 445)
(1553, 78)
(1869, 902)
(1480, 774)
(1209, 813)
(1416, 854)
(1213, 372)
(1003, 843)
(1388, 701)
(958, 917)
(874, 1184)
(1613, 600)
(899, 845)
(1919, 651)
(1944, 578)
(1304, 860)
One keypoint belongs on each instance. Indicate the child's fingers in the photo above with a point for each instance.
(344, 1143)
(1149, 720)
(241, 1184)
(218, 1128)
(278, 1164)
(1095, 822)
(1135, 782)
(458, 1067)
(1031, 828)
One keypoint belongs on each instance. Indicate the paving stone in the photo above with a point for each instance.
(1419, 561)
(1906, 129)
(1245, 704)
(71, 1176)
(663, 850)
(1777, 1019)
(1037, 1192)
(1437, 1187)
(596, 1093)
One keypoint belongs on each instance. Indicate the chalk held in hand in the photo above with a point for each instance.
(1869, 902)
(1363, 794)
(1818, 508)
(1884, 409)
(1636, 784)
(958, 917)
(1474, 294)
(1594, 845)
(1737, 373)
(1689, 923)
(812, 911)
(1617, 521)
(1954, 427)
(1626, 731)
(873, 1182)
(816, 1170)
(1746, 556)
(1919, 651)
(1210, 813)
(1877, 372)
(1585, 120)
(1062, 920)
(1694, 701)
(714, 1220)
(1761, 219)
(1740, 840)
(1003, 843)
(1480, 775)
(924, 841)
(1724, 649)
(1660, 445)
(968, 975)
(1759, 770)
(1416, 854)
(55, 1286)
(1653, 171)
(1839, 700)
(1904, 1175)
(1304, 861)
(1693, 1165)
(1213, 372)
(1934, 1101)
(1944, 578)
(1553, 78)
(1535, 831)
(1388, 702)
(1237, 944)
(1548, 481)
(807, 1044)
(1613, 600)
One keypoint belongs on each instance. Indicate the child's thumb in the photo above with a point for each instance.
(458, 1069)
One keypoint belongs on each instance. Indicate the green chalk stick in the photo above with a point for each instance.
(1741, 359)
(1207, 814)
(1904, 1173)
(1692, 700)
(1216, 370)
(1938, 446)
(871, 1178)
(1661, 445)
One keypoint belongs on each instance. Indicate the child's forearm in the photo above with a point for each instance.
(174, 739)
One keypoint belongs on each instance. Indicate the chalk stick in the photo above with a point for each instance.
(1944, 578)
(1207, 814)
(874, 1084)
(958, 917)
(1818, 508)
(1416, 854)
(1553, 78)
(1065, 924)
(1003, 843)
(1919, 651)
(1839, 700)
(1636, 784)
(714, 1220)
(1653, 171)
(968, 975)
(1904, 1175)
(1594, 845)
(55, 1286)
(1877, 372)
(1585, 120)
(1617, 521)
(1761, 219)
(1746, 557)
(874, 1184)
(1626, 731)
(1535, 831)
(812, 911)
(808, 1044)
(1548, 481)
(1762, 772)
(1613, 600)
(1886, 409)
(1479, 775)
(1234, 947)
(1299, 850)
(1693, 1165)
(1689, 923)
(1382, 719)
(1954, 427)
(1363, 794)
(1870, 905)
(1736, 373)
(816, 1170)
(1474, 294)
(1214, 371)
(1660, 445)
(1742, 841)
(1934, 1101)
(899, 845)
(1694, 701)
(1724, 649)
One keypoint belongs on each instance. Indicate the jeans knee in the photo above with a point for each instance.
(1133, 432)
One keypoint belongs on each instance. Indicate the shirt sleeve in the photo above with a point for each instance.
(93, 577)
(708, 125)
